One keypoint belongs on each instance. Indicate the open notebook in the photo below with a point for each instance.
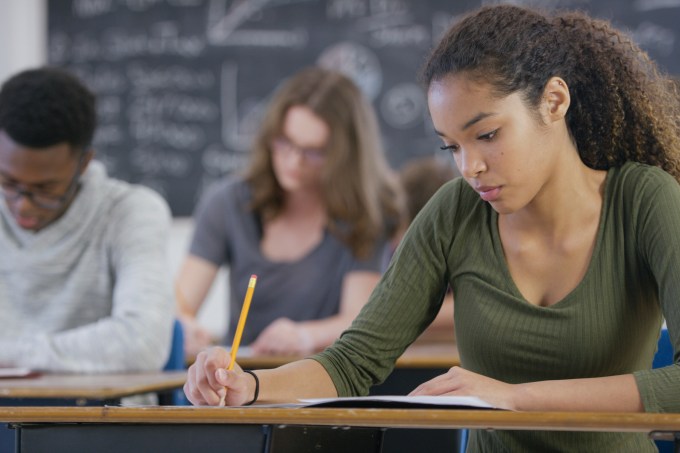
(397, 401)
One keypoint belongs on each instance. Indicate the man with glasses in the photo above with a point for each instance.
(83, 279)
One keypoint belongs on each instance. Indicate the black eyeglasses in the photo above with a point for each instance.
(281, 145)
(13, 192)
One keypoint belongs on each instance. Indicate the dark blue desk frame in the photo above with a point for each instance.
(135, 438)
(9, 437)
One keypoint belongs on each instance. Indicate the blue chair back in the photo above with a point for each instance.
(664, 351)
(177, 361)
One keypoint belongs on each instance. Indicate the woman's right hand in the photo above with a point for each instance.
(210, 384)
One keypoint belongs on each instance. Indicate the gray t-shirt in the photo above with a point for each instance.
(229, 232)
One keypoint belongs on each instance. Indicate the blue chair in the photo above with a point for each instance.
(177, 361)
(664, 351)
(663, 357)
(463, 440)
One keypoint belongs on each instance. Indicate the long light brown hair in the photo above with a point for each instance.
(362, 197)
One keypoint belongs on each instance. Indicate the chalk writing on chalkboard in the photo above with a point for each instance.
(182, 84)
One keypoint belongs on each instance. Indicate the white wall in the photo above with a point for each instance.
(23, 45)
(23, 35)
(213, 314)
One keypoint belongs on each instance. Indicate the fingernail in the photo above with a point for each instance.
(222, 374)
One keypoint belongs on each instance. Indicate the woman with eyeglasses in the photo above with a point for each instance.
(310, 216)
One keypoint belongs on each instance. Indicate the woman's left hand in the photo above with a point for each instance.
(283, 337)
(461, 382)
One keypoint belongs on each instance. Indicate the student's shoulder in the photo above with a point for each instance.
(456, 193)
(131, 206)
(638, 172)
(642, 194)
(145, 198)
(640, 181)
(123, 199)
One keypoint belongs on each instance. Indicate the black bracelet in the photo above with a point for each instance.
(257, 387)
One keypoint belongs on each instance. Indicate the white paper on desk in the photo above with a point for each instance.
(16, 372)
(243, 351)
(400, 401)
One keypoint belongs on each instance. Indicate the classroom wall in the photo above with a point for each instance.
(23, 45)
(23, 35)
(213, 314)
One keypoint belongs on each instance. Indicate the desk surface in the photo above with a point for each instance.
(91, 386)
(418, 355)
(388, 418)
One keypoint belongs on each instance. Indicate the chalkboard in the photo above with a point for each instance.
(182, 83)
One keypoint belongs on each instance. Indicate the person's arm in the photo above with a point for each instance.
(659, 246)
(207, 251)
(442, 328)
(136, 335)
(209, 383)
(365, 353)
(192, 285)
(611, 393)
(195, 277)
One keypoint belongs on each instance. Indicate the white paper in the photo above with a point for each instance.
(464, 401)
(243, 351)
(15, 372)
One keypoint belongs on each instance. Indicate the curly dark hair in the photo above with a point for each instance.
(623, 108)
(47, 106)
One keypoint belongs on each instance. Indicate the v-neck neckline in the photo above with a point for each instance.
(503, 262)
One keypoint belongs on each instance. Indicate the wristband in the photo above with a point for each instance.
(257, 387)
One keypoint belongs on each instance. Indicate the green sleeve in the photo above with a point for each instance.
(658, 239)
(404, 303)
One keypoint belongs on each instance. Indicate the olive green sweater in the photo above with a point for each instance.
(608, 325)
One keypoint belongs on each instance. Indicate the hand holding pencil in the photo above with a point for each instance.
(221, 380)
(240, 326)
(242, 321)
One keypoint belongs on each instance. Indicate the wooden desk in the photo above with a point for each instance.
(114, 426)
(85, 388)
(81, 390)
(420, 362)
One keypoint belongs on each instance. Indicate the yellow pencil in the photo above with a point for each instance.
(242, 321)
